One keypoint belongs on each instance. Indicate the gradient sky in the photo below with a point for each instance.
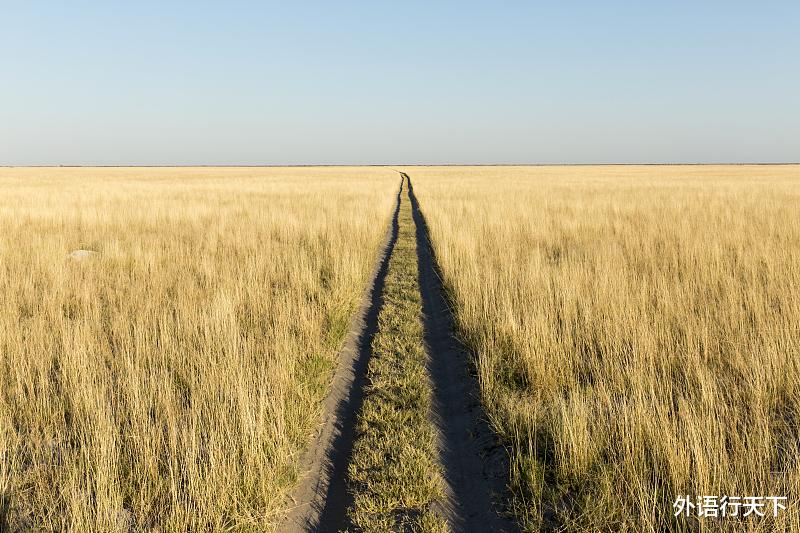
(197, 82)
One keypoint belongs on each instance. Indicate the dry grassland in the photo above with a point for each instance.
(636, 331)
(171, 380)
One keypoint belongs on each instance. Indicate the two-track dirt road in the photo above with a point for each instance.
(473, 463)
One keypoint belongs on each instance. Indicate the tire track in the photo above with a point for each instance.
(475, 465)
(322, 499)
(395, 474)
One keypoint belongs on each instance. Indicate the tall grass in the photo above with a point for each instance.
(637, 332)
(171, 381)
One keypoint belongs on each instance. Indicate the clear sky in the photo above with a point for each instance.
(113, 82)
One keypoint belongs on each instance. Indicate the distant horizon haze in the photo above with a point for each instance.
(389, 165)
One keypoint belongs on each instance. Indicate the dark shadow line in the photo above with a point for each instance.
(333, 516)
(475, 464)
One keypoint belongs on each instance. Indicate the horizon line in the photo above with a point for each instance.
(319, 165)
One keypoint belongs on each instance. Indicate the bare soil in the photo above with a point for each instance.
(475, 463)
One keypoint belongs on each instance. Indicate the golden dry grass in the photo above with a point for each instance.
(171, 380)
(636, 332)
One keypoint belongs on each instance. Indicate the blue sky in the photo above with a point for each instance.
(401, 82)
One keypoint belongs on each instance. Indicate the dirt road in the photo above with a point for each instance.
(474, 464)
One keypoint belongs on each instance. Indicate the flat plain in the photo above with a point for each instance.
(172, 379)
(563, 348)
(636, 333)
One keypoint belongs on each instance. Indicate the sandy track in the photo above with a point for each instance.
(475, 464)
(322, 499)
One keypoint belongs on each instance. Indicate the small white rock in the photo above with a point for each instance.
(81, 255)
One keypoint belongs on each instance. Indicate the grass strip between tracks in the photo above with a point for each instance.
(394, 471)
